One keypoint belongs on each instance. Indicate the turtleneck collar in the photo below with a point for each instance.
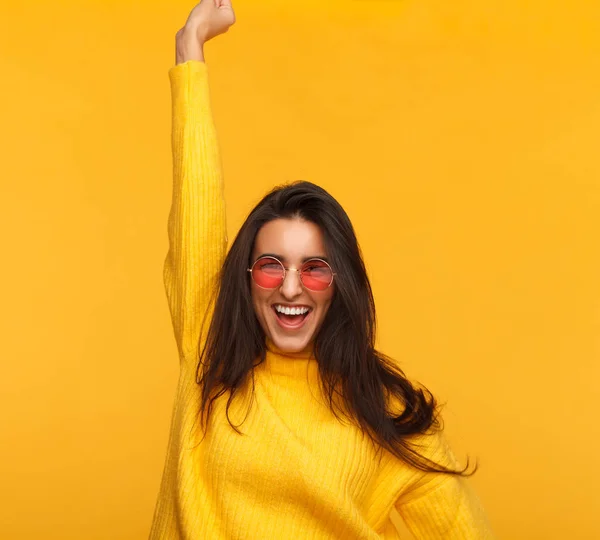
(293, 364)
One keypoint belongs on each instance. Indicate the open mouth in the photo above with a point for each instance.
(291, 320)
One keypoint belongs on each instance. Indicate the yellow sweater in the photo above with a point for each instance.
(296, 472)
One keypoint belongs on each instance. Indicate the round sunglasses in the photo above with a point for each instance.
(269, 273)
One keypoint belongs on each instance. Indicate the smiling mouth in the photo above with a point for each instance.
(291, 321)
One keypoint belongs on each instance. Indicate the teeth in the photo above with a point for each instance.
(292, 311)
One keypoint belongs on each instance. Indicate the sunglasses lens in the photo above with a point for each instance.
(267, 273)
(316, 275)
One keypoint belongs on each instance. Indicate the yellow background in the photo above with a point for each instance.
(462, 139)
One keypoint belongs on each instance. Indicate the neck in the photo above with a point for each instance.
(306, 353)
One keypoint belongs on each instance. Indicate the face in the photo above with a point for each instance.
(292, 241)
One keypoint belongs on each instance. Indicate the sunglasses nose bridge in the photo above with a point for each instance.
(297, 283)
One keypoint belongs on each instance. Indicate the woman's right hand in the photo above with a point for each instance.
(208, 19)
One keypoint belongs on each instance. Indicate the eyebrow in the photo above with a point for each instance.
(284, 260)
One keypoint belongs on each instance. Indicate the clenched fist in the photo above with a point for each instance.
(207, 20)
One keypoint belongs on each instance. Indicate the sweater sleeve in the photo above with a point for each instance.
(196, 224)
(447, 508)
(438, 505)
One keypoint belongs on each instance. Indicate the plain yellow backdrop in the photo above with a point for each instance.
(462, 139)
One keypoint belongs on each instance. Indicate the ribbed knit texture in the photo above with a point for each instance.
(297, 472)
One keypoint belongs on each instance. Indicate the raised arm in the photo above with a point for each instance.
(196, 226)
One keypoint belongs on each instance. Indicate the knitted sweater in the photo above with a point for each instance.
(296, 472)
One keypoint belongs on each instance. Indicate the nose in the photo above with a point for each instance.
(291, 286)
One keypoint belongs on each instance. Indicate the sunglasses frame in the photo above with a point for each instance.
(333, 274)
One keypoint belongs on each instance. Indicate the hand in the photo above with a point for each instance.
(208, 19)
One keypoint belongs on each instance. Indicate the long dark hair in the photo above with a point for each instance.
(349, 366)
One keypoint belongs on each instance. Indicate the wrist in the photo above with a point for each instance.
(188, 48)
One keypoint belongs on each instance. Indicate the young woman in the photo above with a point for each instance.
(287, 423)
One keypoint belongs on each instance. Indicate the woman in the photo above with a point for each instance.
(287, 423)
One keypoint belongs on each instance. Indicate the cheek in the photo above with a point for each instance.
(259, 296)
(257, 305)
(325, 299)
